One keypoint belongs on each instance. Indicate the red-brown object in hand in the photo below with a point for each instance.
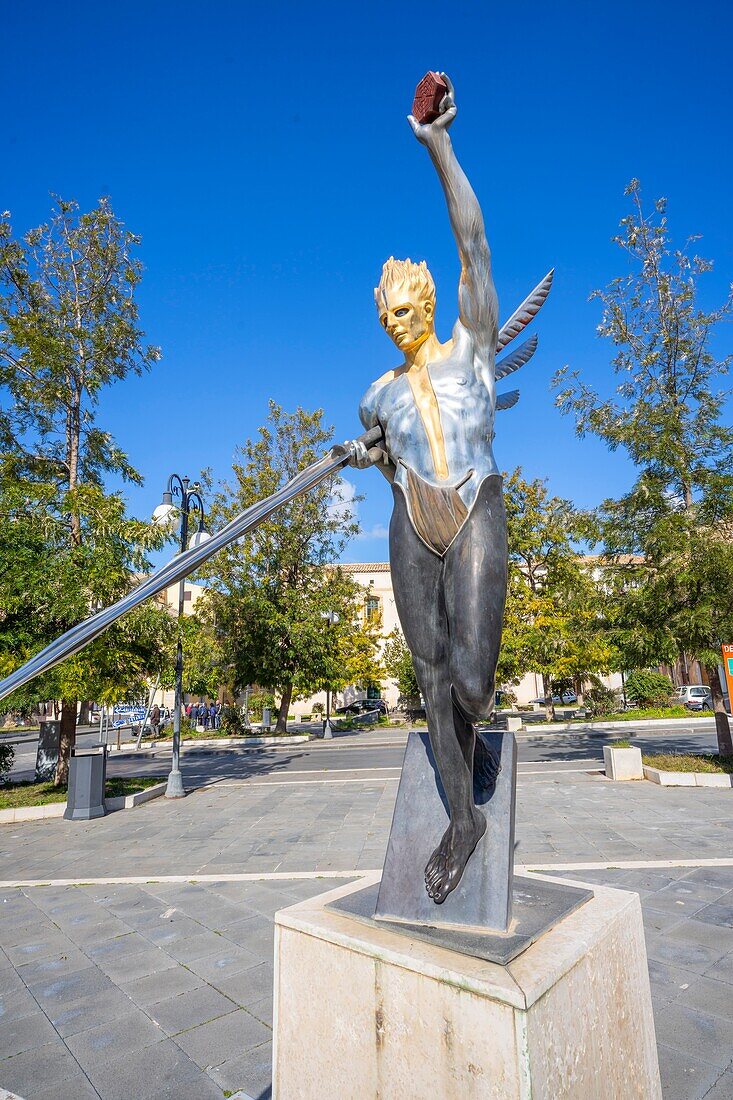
(428, 97)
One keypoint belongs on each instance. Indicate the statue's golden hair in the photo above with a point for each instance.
(417, 277)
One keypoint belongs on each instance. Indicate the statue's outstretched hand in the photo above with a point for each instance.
(362, 456)
(365, 451)
(423, 131)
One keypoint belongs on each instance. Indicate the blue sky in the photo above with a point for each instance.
(262, 153)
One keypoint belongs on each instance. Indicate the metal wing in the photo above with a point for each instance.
(517, 359)
(529, 308)
(507, 400)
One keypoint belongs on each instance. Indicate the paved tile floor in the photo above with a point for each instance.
(251, 826)
(128, 992)
(165, 989)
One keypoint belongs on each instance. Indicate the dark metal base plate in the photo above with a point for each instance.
(538, 907)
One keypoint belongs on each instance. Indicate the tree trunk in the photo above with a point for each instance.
(67, 742)
(547, 693)
(578, 689)
(281, 726)
(84, 712)
(722, 725)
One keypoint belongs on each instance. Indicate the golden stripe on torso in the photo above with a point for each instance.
(426, 402)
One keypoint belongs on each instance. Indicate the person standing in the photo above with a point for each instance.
(155, 721)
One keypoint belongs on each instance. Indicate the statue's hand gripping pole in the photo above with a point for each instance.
(343, 454)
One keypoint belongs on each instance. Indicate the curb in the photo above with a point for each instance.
(207, 743)
(56, 809)
(642, 723)
(688, 779)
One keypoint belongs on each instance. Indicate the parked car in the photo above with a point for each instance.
(694, 697)
(565, 699)
(361, 706)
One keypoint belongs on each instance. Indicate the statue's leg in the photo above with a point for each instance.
(475, 592)
(474, 589)
(417, 578)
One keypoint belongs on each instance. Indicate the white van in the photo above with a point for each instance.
(694, 697)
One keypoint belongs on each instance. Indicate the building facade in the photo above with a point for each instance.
(376, 579)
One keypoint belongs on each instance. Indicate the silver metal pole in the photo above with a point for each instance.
(327, 728)
(182, 565)
(175, 787)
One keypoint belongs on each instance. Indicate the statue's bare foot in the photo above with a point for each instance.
(486, 766)
(448, 862)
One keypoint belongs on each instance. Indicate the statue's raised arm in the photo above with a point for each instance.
(477, 301)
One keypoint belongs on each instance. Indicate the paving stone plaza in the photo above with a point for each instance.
(158, 981)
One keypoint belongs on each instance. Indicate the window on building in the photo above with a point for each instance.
(371, 609)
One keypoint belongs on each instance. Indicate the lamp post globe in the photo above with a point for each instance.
(198, 537)
(163, 515)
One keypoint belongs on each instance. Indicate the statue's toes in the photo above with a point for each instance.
(433, 880)
(486, 767)
(441, 887)
(435, 861)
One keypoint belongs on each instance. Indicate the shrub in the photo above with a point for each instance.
(232, 722)
(600, 701)
(648, 688)
(7, 756)
(259, 699)
(318, 708)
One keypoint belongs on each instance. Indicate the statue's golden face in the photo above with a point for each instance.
(407, 317)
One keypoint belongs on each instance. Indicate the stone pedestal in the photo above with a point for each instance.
(483, 898)
(363, 1012)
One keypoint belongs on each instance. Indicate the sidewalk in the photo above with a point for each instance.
(162, 987)
(282, 821)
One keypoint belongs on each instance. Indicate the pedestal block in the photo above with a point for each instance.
(366, 1013)
(483, 898)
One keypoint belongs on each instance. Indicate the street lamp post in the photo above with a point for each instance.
(190, 501)
(331, 618)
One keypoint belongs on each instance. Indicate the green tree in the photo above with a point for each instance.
(358, 647)
(649, 688)
(268, 594)
(669, 537)
(399, 666)
(553, 621)
(68, 329)
(204, 671)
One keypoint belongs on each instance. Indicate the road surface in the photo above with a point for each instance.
(377, 754)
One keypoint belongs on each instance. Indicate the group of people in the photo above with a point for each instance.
(203, 714)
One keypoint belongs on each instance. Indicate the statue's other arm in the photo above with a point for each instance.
(477, 302)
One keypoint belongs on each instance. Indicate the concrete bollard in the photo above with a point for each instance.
(622, 764)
